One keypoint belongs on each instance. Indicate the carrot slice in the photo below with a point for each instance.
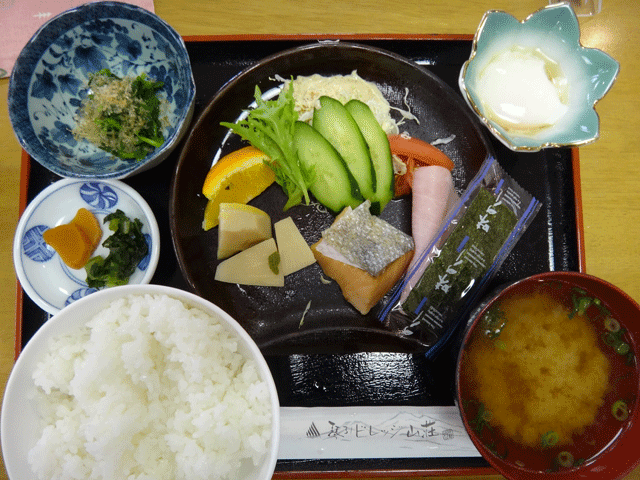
(422, 152)
(414, 153)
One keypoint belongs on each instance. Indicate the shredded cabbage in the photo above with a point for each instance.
(308, 89)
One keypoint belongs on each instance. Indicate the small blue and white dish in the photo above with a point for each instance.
(48, 281)
(532, 83)
(49, 81)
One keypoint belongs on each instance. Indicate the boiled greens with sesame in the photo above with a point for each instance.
(122, 116)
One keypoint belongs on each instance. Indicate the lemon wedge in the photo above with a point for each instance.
(238, 177)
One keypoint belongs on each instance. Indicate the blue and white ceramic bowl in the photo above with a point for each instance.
(49, 79)
(532, 83)
(48, 281)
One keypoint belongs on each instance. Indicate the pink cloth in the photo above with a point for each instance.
(20, 19)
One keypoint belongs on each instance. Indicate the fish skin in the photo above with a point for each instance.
(366, 240)
(359, 287)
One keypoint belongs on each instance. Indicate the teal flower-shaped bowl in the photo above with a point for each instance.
(532, 83)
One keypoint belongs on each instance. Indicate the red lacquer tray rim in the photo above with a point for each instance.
(332, 474)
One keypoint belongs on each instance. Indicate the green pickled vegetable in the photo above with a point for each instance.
(127, 247)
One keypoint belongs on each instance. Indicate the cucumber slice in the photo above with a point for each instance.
(333, 185)
(378, 144)
(335, 123)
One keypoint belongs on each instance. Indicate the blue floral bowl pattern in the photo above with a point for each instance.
(48, 281)
(48, 84)
(555, 31)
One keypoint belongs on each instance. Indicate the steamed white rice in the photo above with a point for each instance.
(149, 389)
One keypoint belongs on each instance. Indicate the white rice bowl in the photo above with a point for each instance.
(140, 382)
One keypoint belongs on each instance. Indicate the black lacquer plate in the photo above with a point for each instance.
(307, 372)
(273, 316)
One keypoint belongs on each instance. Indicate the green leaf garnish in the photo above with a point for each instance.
(269, 127)
(274, 262)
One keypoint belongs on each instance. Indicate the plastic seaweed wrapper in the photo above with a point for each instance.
(450, 275)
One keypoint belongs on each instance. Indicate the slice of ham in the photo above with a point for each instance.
(433, 198)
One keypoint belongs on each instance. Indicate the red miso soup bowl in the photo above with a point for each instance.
(548, 379)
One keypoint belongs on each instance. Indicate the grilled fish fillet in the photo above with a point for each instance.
(359, 287)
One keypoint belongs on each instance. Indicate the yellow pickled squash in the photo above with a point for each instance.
(90, 225)
(77, 240)
(70, 243)
(240, 227)
(252, 266)
(237, 177)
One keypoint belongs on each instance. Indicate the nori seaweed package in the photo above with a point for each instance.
(451, 274)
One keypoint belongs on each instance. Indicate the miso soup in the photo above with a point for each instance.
(548, 377)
